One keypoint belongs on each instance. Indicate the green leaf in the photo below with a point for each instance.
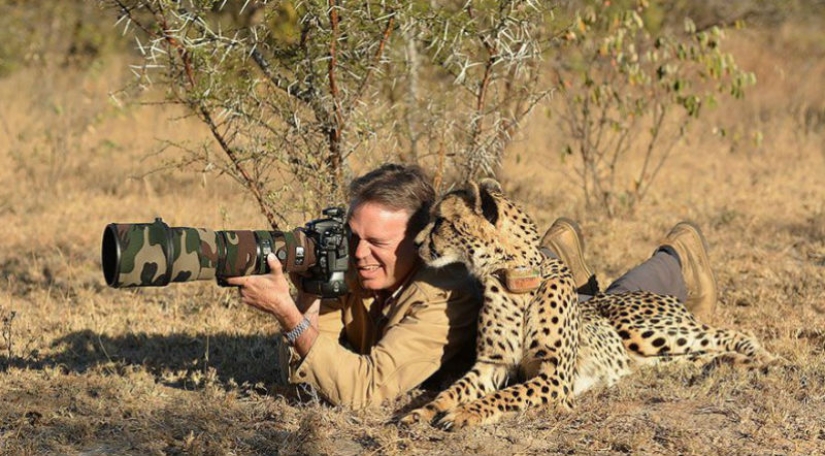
(690, 26)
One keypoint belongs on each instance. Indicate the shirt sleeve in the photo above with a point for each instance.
(330, 326)
(434, 330)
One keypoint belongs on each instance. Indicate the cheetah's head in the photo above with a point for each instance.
(480, 227)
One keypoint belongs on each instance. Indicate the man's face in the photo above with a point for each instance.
(383, 254)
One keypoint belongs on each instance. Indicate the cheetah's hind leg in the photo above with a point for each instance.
(656, 328)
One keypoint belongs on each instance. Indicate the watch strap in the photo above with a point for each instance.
(293, 334)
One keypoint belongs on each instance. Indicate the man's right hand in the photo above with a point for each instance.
(270, 293)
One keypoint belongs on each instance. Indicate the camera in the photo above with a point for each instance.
(155, 254)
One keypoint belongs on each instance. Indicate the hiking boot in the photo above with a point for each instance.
(564, 241)
(687, 240)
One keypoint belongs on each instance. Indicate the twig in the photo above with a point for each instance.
(477, 123)
(254, 186)
(334, 131)
(198, 106)
(376, 60)
(7, 332)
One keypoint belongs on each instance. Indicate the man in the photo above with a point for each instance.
(403, 321)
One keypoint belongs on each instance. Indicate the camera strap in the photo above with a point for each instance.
(294, 253)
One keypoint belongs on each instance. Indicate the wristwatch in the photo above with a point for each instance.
(293, 334)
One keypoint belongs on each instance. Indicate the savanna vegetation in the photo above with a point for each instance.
(93, 132)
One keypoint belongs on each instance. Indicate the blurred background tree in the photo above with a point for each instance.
(299, 95)
(295, 93)
(630, 86)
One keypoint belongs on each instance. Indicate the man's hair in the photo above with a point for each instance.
(398, 187)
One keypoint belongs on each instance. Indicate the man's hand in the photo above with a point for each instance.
(267, 292)
(270, 293)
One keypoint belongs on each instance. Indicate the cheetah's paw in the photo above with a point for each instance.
(420, 415)
(460, 419)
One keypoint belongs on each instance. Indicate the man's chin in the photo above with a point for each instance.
(372, 284)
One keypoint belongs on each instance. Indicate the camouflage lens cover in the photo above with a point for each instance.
(154, 254)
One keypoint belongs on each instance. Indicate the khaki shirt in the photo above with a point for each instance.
(367, 352)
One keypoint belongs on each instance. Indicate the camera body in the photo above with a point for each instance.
(330, 237)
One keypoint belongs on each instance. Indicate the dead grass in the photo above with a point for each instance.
(187, 370)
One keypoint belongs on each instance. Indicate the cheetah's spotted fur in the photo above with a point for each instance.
(558, 346)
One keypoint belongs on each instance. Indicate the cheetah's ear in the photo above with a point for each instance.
(486, 203)
(474, 197)
(491, 186)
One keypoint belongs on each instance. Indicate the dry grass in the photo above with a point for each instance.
(186, 370)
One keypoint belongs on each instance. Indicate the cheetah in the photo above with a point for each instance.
(532, 327)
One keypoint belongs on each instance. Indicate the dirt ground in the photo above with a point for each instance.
(186, 369)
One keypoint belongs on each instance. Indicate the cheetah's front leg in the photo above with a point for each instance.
(549, 360)
(496, 358)
(552, 386)
(480, 380)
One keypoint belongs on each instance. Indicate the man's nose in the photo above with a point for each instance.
(361, 249)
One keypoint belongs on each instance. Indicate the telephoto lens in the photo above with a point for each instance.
(155, 254)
